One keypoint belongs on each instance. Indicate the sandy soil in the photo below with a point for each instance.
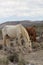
(34, 57)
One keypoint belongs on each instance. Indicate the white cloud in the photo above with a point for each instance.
(21, 8)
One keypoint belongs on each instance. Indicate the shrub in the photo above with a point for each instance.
(1, 46)
(22, 62)
(13, 57)
(35, 45)
(3, 60)
(41, 44)
(0, 32)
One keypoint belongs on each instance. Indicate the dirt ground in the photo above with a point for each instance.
(36, 58)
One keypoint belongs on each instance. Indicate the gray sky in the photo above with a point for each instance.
(21, 10)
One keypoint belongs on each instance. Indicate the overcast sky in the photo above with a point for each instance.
(21, 10)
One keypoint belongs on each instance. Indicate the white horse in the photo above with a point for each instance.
(12, 31)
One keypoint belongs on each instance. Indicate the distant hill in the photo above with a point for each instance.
(25, 23)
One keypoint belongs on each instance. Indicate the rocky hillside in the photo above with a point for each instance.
(25, 23)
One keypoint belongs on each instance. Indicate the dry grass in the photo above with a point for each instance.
(3, 60)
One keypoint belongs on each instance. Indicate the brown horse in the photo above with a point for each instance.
(32, 33)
